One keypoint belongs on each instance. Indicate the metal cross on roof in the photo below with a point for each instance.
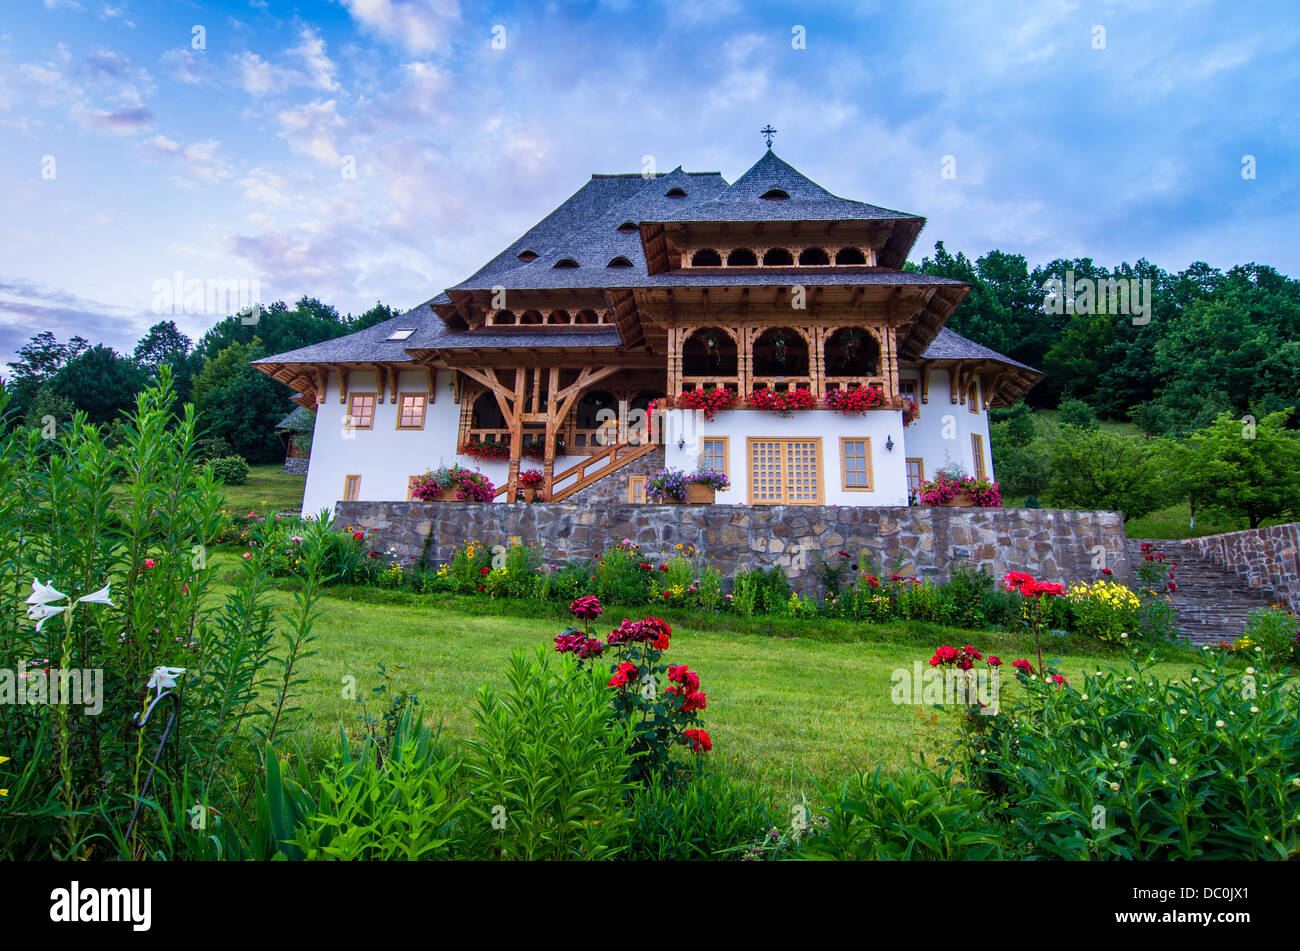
(767, 132)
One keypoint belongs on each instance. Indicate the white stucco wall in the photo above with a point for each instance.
(384, 456)
(942, 433)
(889, 478)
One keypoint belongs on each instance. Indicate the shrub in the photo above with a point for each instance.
(1273, 631)
(1104, 609)
(706, 817)
(1129, 767)
(232, 470)
(916, 814)
(547, 764)
(377, 807)
(134, 522)
(623, 576)
(660, 702)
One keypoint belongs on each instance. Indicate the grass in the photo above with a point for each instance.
(783, 710)
(268, 490)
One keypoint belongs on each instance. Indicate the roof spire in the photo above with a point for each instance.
(767, 132)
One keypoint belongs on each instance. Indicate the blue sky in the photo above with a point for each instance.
(227, 161)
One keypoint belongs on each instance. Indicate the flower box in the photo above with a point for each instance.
(958, 502)
(697, 494)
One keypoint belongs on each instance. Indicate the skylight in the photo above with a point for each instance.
(401, 334)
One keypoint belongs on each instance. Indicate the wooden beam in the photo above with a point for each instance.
(342, 371)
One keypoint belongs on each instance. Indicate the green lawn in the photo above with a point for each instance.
(268, 489)
(782, 710)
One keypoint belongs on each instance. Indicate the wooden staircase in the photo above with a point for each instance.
(607, 461)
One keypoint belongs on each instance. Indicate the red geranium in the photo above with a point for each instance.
(700, 742)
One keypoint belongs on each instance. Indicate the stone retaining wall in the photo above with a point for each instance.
(1053, 544)
(1265, 558)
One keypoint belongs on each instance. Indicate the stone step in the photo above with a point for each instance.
(1212, 602)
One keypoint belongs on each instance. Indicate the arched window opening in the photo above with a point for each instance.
(527, 256)
(710, 352)
(619, 261)
(780, 351)
(852, 352)
(565, 262)
(531, 317)
(850, 256)
(486, 413)
(814, 256)
(675, 193)
(706, 257)
(627, 227)
(775, 194)
(777, 256)
(742, 257)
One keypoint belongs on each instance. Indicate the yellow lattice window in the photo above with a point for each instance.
(915, 474)
(713, 454)
(410, 411)
(977, 451)
(855, 464)
(973, 398)
(361, 411)
(636, 489)
(351, 488)
(410, 486)
(785, 471)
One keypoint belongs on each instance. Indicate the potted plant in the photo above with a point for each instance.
(702, 487)
(477, 449)
(666, 486)
(954, 489)
(452, 483)
(530, 480)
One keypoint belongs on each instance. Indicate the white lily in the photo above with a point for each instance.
(40, 613)
(97, 597)
(164, 678)
(44, 593)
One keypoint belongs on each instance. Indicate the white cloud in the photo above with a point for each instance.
(203, 161)
(420, 26)
(309, 129)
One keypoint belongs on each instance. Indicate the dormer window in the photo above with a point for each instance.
(627, 227)
(619, 262)
(527, 256)
(401, 334)
(675, 193)
(775, 194)
(565, 262)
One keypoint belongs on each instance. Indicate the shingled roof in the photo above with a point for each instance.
(805, 201)
(607, 220)
(950, 346)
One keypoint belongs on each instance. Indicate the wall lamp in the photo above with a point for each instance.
(889, 444)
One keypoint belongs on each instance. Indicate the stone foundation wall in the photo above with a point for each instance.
(1056, 545)
(296, 466)
(1264, 558)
